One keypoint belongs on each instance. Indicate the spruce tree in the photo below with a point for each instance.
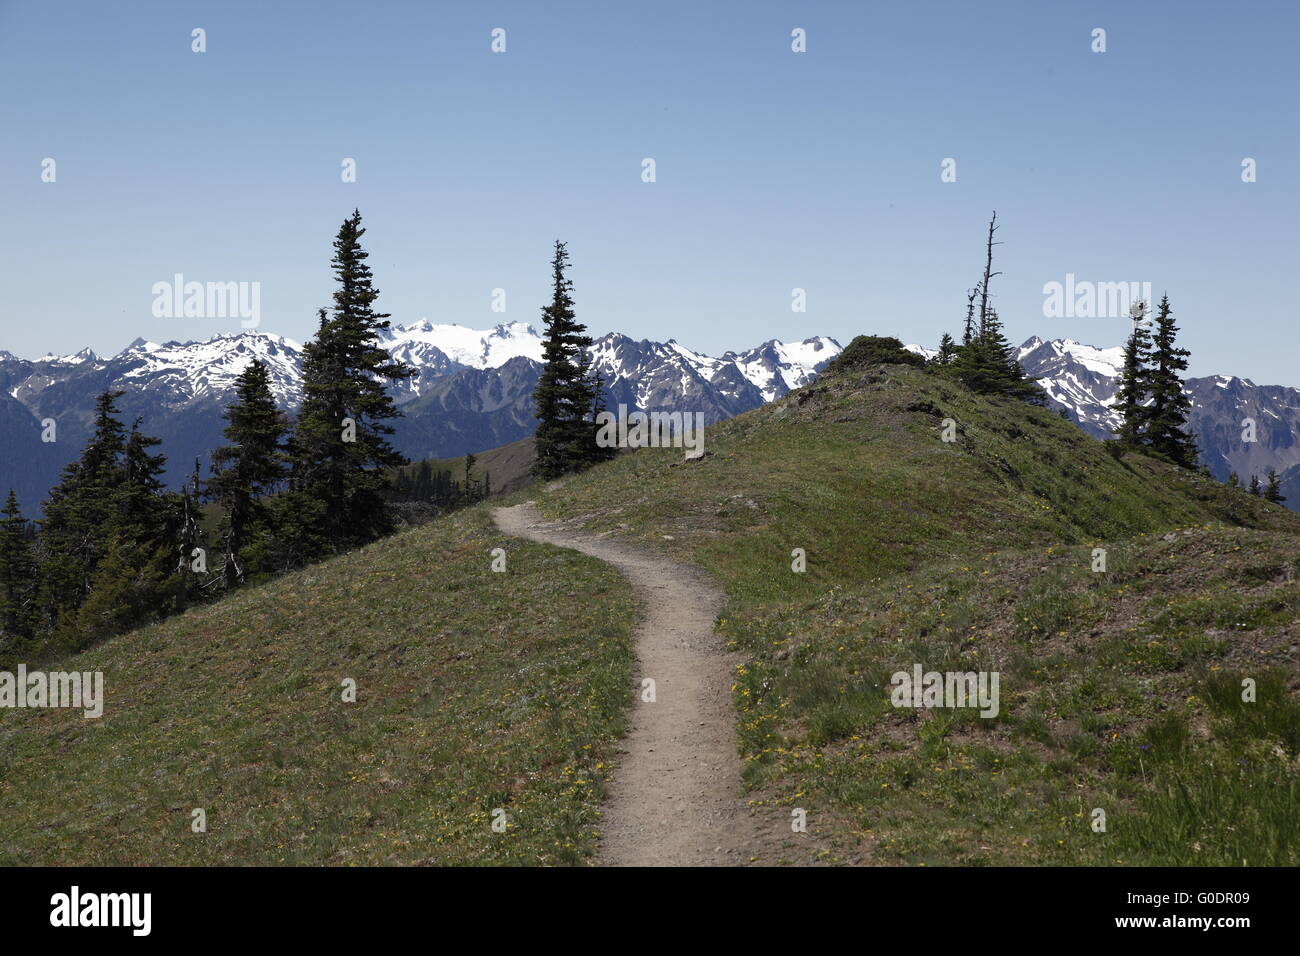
(341, 460)
(1133, 385)
(1272, 491)
(135, 580)
(947, 350)
(74, 529)
(1255, 488)
(249, 468)
(1166, 418)
(565, 393)
(17, 581)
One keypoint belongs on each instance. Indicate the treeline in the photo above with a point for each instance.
(422, 483)
(114, 550)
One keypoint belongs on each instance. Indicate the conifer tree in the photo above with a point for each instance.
(1133, 385)
(1254, 488)
(988, 365)
(1272, 492)
(597, 452)
(947, 350)
(74, 530)
(469, 480)
(565, 393)
(249, 468)
(986, 362)
(1166, 418)
(340, 456)
(17, 580)
(134, 582)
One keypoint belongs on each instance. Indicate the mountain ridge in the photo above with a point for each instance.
(472, 390)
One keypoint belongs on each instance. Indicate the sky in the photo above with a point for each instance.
(775, 170)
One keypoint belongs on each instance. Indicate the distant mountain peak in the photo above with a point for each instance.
(76, 358)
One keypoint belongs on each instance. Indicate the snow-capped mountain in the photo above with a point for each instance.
(472, 389)
(198, 370)
(425, 342)
(776, 369)
(1082, 380)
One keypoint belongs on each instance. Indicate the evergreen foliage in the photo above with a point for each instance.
(340, 456)
(567, 393)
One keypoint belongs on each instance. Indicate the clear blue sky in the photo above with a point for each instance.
(775, 170)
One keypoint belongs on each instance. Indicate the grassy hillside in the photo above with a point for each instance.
(507, 466)
(475, 690)
(1120, 690)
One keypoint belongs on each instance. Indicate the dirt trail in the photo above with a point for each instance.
(675, 798)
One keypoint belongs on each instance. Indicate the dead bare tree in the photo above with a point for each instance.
(988, 274)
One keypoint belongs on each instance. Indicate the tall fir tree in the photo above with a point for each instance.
(74, 529)
(17, 582)
(341, 459)
(1166, 417)
(566, 393)
(248, 469)
(1254, 487)
(136, 581)
(1134, 381)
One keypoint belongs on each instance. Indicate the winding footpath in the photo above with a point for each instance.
(675, 797)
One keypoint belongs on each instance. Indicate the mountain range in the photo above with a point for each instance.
(472, 390)
(1081, 379)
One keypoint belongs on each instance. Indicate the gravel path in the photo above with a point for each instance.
(675, 799)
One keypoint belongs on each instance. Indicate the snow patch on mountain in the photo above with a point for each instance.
(196, 370)
(472, 348)
(77, 358)
(776, 368)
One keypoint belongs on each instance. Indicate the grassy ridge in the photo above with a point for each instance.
(1120, 690)
(475, 690)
